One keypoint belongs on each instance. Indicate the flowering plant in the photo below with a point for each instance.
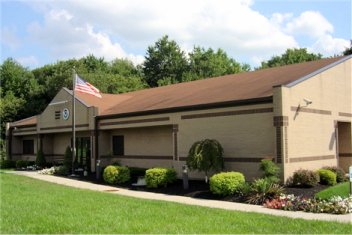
(47, 171)
(334, 205)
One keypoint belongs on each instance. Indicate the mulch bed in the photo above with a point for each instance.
(199, 189)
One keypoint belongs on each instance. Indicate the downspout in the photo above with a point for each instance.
(8, 133)
(97, 157)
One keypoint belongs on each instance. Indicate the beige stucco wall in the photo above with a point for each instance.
(311, 130)
(17, 148)
(84, 115)
(241, 135)
(139, 143)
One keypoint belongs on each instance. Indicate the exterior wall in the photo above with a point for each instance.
(17, 148)
(143, 147)
(309, 138)
(245, 132)
(84, 115)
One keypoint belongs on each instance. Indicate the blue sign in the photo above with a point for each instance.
(65, 113)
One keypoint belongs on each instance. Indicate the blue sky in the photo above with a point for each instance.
(38, 32)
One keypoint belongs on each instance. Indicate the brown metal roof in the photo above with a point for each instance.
(31, 121)
(235, 87)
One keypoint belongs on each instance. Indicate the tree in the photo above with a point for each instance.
(164, 60)
(40, 159)
(209, 63)
(206, 155)
(291, 56)
(348, 50)
(18, 92)
(68, 158)
(125, 68)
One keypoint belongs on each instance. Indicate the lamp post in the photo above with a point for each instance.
(185, 176)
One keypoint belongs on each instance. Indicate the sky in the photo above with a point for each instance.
(38, 32)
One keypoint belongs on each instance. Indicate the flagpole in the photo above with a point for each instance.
(73, 121)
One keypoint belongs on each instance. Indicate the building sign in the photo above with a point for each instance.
(65, 114)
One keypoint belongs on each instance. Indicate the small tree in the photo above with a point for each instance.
(206, 155)
(40, 159)
(68, 158)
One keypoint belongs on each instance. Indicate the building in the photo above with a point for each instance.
(298, 115)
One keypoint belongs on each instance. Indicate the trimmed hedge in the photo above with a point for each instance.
(305, 178)
(226, 183)
(156, 177)
(327, 177)
(116, 174)
(21, 164)
(340, 173)
(6, 164)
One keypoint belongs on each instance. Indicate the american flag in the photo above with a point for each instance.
(86, 87)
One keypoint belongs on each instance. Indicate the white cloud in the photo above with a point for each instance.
(28, 61)
(113, 28)
(66, 39)
(310, 23)
(327, 45)
(75, 28)
(9, 38)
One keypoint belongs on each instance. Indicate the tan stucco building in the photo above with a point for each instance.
(298, 115)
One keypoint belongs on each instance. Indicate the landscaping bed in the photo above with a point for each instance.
(200, 189)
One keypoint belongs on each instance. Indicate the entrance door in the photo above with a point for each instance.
(344, 145)
(83, 152)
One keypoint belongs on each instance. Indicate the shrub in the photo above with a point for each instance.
(327, 177)
(156, 177)
(340, 173)
(262, 190)
(270, 170)
(40, 159)
(68, 158)
(305, 178)
(6, 164)
(21, 164)
(226, 183)
(116, 174)
(61, 170)
(206, 155)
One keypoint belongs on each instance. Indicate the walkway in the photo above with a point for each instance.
(347, 218)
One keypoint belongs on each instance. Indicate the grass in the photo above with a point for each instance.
(342, 190)
(33, 206)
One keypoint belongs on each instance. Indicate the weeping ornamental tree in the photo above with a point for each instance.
(206, 155)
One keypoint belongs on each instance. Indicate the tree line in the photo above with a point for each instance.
(26, 92)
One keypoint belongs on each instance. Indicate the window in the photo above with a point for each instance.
(118, 145)
(28, 146)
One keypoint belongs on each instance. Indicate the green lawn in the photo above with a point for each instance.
(342, 190)
(33, 206)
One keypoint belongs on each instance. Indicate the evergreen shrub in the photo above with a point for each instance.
(226, 183)
(156, 177)
(327, 177)
(116, 174)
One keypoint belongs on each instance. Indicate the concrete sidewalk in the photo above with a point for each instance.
(347, 218)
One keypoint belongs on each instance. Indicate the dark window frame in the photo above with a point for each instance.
(118, 145)
(28, 146)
